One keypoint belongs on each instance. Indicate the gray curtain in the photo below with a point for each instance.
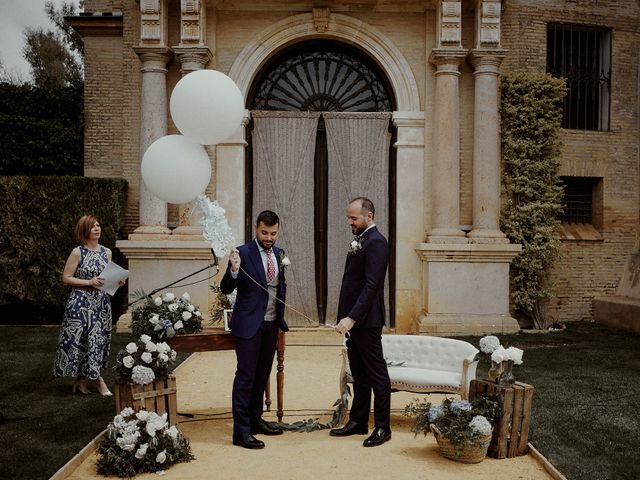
(358, 150)
(283, 181)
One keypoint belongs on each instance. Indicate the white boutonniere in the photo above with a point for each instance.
(355, 245)
(283, 261)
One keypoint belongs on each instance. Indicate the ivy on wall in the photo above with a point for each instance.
(531, 116)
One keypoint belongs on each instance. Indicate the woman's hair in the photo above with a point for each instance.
(83, 228)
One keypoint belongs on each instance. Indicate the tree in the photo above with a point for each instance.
(10, 76)
(56, 57)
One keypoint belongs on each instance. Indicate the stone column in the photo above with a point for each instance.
(153, 125)
(486, 148)
(445, 226)
(230, 179)
(409, 218)
(191, 58)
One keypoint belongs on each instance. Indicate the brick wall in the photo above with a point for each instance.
(590, 268)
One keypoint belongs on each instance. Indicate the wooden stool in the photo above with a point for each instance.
(511, 432)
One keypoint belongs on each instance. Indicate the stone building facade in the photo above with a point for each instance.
(441, 60)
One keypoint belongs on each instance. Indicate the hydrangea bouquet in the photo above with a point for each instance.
(141, 442)
(166, 316)
(502, 359)
(465, 424)
(144, 361)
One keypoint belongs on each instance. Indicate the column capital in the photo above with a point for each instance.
(192, 57)
(153, 58)
(448, 60)
(486, 60)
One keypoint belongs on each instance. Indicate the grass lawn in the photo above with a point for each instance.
(586, 403)
(44, 424)
(585, 406)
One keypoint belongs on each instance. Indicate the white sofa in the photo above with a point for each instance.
(424, 364)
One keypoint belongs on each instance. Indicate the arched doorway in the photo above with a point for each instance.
(335, 103)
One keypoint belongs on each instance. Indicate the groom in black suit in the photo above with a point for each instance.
(255, 269)
(361, 313)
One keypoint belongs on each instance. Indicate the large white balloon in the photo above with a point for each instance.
(207, 106)
(176, 169)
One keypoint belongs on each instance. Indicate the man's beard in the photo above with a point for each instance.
(260, 242)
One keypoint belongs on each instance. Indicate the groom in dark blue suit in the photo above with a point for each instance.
(361, 313)
(256, 270)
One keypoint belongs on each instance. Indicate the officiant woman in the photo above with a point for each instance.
(85, 335)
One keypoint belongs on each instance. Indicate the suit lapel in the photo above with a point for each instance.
(256, 259)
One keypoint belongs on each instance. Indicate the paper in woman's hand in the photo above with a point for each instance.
(112, 275)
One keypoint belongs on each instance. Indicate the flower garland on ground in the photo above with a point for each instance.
(144, 361)
(164, 317)
(141, 442)
(465, 424)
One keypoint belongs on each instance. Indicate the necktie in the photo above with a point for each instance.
(271, 266)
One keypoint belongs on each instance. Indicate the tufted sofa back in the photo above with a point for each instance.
(419, 351)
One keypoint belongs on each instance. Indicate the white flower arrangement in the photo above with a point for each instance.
(144, 361)
(215, 229)
(355, 246)
(491, 346)
(141, 442)
(166, 316)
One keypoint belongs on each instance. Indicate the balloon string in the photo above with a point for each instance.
(274, 296)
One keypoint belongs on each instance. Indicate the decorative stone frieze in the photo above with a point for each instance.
(192, 22)
(449, 25)
(321, 19)
(153, 18)
(488, 23)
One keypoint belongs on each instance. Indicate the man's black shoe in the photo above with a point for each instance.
(351, 428)
(247, 440)
(378, 437)
(266, 429)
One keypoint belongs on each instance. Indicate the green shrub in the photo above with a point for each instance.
(41, 130)
(531, 116)
(37, 220)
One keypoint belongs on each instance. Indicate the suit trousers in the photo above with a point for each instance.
(369, 371)
(255, 359)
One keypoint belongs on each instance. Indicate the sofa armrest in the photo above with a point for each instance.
(466, 363)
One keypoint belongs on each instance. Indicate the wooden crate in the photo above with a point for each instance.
(159, 397)
(511, 432)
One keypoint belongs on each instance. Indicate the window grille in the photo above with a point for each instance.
(582, 55)
(578, 199)
(324, 77)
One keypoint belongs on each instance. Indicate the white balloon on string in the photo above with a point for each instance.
(207, 106)
(176, 169)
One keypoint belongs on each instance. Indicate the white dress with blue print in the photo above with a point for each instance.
(85, 336)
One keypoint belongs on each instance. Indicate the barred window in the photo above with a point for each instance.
(582, 55)
(582, 205)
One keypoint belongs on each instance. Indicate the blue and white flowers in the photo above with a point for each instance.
(167, 316)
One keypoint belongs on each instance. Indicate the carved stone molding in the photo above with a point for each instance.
(486, 60)
(153, 59)
(450, 23)
(341, 27)
(152, 22)
(321, 19)
(447, 60)
(488, 23)
(192, 22)
(192, 58)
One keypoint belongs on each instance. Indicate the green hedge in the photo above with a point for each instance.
(41, 130)
(37, 220)
(531, 115)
